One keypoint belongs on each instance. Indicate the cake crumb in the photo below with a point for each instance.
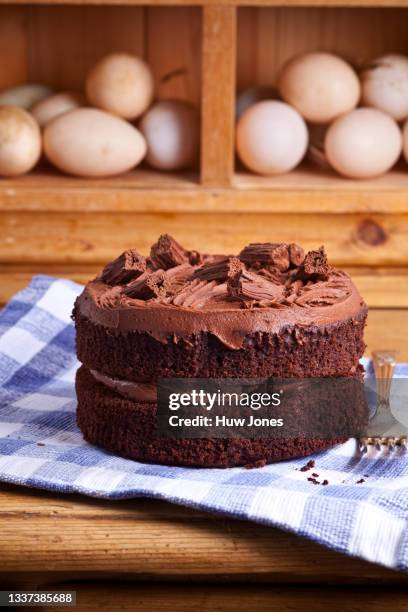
(325, 482)
(313, 480)
(360, 481)
(309, 465)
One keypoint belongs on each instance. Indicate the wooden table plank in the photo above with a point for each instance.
(251, 598)
(72, 536)
(94, 238)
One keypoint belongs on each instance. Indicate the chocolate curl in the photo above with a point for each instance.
(126, 267)
(167, 253)
(315, 266)
(266, 254)
(254, 289)
(220, 269)
(148, 286)
(110, 298)
(296, 255)
(178, 277)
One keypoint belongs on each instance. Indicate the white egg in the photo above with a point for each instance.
(20, 141)
(172, 132)
(384, 85)
(25, 95)
(49, 108)
(363, 143)
(89, 142)
(271, 137)
(121, 84)
(321, 86)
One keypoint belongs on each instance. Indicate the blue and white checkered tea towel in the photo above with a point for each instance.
(362, 511)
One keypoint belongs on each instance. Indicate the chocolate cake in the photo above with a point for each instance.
(271, 311)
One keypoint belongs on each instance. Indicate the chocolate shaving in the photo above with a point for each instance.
(149, 285)
(253, 288)
(111, 297)
(220, 269)
(124, 268)
(270, 254)
(167, 253)
(296, 255)
(177, 278)
(274, 275)
(315, 266)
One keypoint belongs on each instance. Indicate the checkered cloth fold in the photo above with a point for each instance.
(363, 511)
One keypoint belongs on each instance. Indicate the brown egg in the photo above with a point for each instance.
(172, 132)
(46, 110)
(121, 84)
(20, 141)
(321, 86)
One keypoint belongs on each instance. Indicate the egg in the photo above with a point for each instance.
(384, 85)
(248, 97)
(25, 95)
(172, 132)
(363, 143)
(20, 141)
(90, 142)
(321, 86)
(49, 108)
(121, 84)
(271, 137)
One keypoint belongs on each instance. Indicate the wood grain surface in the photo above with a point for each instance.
(269, 36)
(65, 537)
(251, 598)
(305, 190)
(62, 238)
(218, 103)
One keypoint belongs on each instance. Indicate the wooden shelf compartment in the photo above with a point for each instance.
(203, 55)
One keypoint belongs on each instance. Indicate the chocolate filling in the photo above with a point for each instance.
(139, 392)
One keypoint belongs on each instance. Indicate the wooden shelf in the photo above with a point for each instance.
(306, 190)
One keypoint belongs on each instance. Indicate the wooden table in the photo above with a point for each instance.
(144, 555)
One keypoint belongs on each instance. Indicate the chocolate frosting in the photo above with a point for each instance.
(231, 300)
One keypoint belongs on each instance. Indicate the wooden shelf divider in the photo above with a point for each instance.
(218, 95)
